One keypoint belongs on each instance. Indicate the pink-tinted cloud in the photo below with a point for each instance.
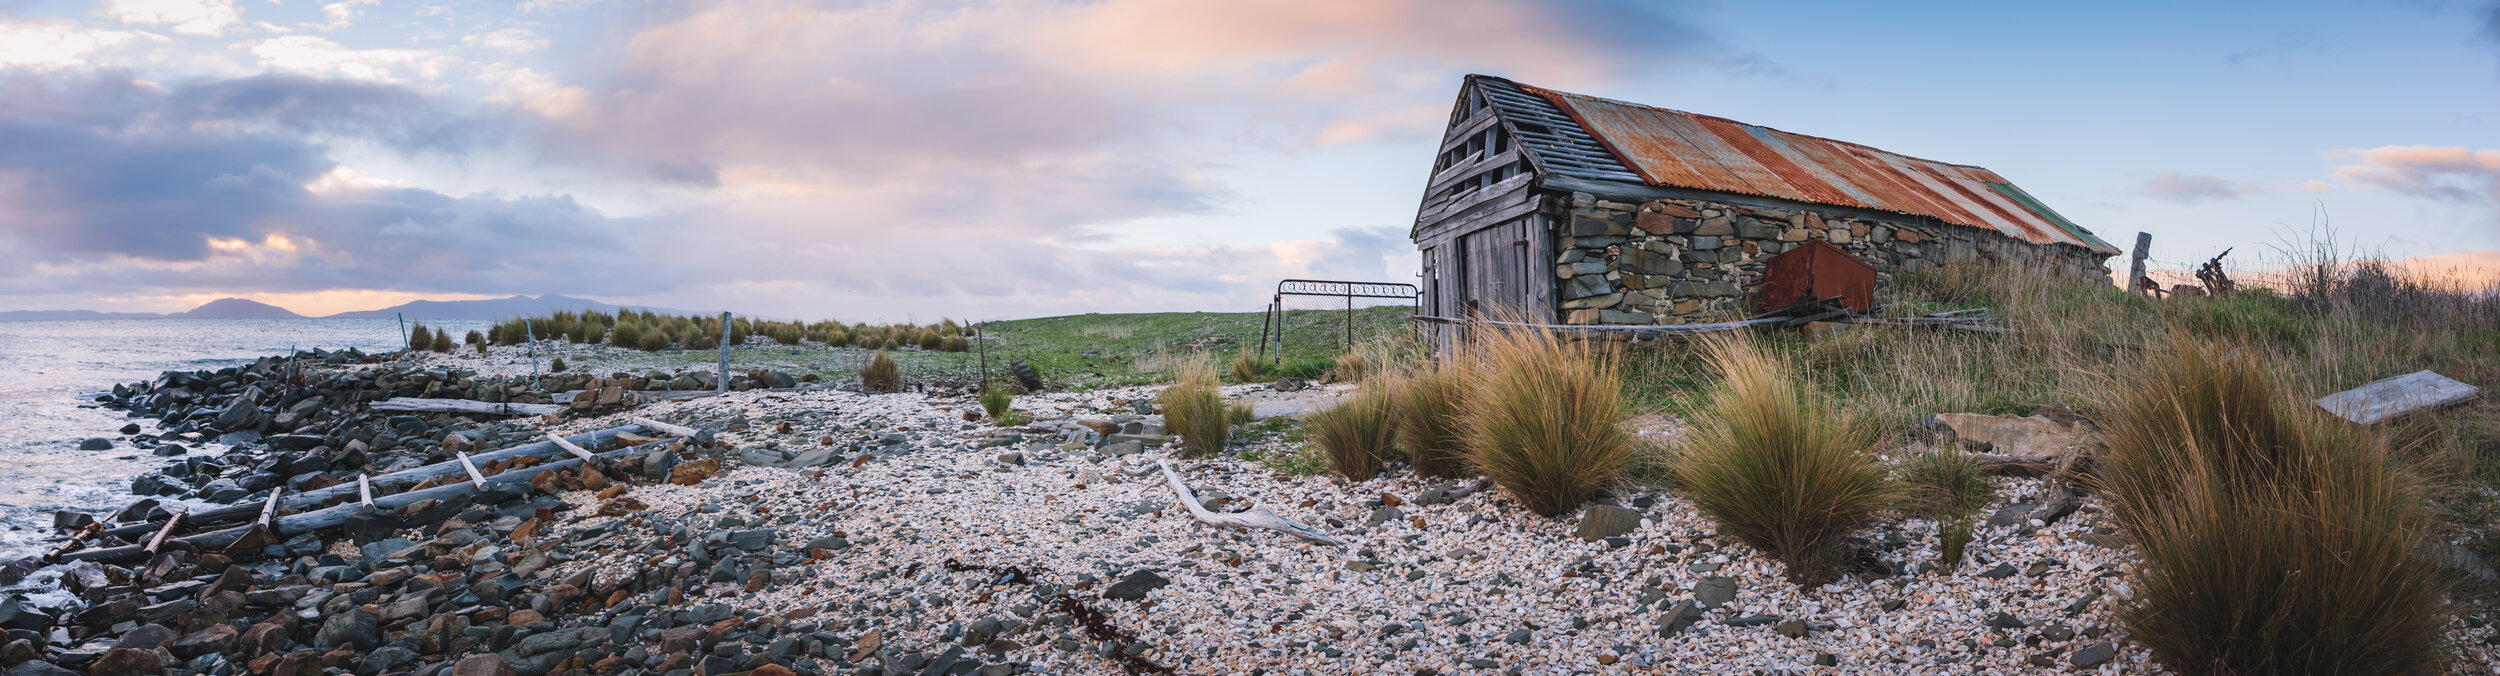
(2451, 173)
(2171, 186)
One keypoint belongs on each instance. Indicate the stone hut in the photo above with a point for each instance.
(1559, 207)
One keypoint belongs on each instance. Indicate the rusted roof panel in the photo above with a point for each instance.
(1686, 150)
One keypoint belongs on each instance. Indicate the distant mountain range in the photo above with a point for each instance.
(238, 308)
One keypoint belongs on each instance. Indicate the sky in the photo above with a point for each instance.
(912, 160)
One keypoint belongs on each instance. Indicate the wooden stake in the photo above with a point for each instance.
(170, 525)
(474, 477)
(270, 510)
(568, 447)
(721, 384)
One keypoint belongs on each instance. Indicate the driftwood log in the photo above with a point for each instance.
(463, 406)
(280, 528)
(313, 499)
(1257, 517)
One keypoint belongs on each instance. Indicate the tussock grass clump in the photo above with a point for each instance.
(474, 338)
(557, 367)
(998, 402)
(441, 342)
(955, 343)
(881, 374)
(1545, 422)
(1950, 487)
(1771, 465)
(1245, 369)
(419, 337)
(1358, 433)
(2273, 538)
(1429, 401)
(1193, 409)
(654, 341)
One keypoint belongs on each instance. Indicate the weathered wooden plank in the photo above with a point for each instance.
(463, 406)
(2397, 396)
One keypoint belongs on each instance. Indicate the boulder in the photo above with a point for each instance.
(2034, 437)
(15, 614)
(354, 628)
(125, 662)
(482, 664)
(540, 653)
(1605, 521)
(1714, 591)
(1136, 585)
(38, 668)
(96, 444)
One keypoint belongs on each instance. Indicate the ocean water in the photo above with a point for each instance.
(51, 372)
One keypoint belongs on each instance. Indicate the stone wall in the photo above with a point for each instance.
(1683, 261)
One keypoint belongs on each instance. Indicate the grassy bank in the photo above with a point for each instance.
(1070, 352)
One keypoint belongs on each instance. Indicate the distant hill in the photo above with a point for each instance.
(235, 308)
(493, 308)
(63, 315)
(238, 308)
(222, 308)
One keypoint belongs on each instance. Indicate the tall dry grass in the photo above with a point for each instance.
(1194, 409)
(1779, 468)
(2274, 539)
(1544, 419)
(1359, 433)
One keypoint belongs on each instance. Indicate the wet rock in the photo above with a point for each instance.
(96, 444)
(14, 614)
(38, 668)
(132, 428)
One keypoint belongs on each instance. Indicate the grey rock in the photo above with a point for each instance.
(1385, 515)
(540, 653)
(1755, 620)
(2000, 572)
(14, 614)
(96, 444)
(352, 628)
(2095, 654)
(39, 668)
(2002, 620)
(1714, 591)
(1136, 585)
(1792, 629)
(1679, 617)
(1519, 636)
(1605, 521)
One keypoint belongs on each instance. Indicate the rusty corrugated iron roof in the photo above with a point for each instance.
(1687, 150)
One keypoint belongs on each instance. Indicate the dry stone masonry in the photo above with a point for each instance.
(1682, 261)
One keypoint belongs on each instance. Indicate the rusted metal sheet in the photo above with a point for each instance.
(1816, 269)
(1686, 150)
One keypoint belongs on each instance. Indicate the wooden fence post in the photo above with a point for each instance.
(721, 384)
(2135, 262)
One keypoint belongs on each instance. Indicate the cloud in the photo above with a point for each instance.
(56, 44)
(189, 17)
(113, 185)
(508, 41)
(968, 158)
(344, 12)
(319, 56)
(2446, 173)
(2171, 186)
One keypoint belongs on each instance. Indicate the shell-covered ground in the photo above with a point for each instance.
(894, 549)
